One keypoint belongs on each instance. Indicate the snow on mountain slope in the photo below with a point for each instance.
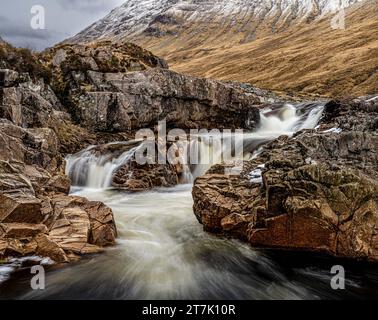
(286, 45)
(156, 18)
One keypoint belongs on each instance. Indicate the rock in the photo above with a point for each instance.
(59, 184)
(47, 139)
(71, 230)
(48, 248)
(124, 102)
(20, 145)
(17, 199)
(119, 87)
(59, 57)
(14, 247)
(71, 226)
(8, 77)
(360, 114)
(21, 230)
(20, 208)
(103, 228)
(102, 231)
(36, 215)
(103, 56)
(319, 190)
(135, 177)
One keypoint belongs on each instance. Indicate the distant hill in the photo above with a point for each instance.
(286, 45)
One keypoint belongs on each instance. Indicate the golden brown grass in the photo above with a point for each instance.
(307, 58)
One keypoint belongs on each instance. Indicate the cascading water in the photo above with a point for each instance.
(285, 120)
(162, 251)
(95, 171)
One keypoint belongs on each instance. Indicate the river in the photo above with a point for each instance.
(162, 252)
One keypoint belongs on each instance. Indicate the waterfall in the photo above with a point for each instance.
(275, 122)
(290, 119)
(91, 170)
(95, 166)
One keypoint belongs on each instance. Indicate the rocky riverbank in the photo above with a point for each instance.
(315, 191)
(69, 97)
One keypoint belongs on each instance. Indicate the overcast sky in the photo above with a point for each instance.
(63, 18)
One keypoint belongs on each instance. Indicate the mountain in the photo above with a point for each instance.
(278, 44)
(243, 19)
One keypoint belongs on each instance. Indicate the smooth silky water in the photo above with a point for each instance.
(162, 251)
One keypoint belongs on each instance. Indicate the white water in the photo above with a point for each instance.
(287, 120)
(97, 171)
(88, 168)
(162, 251)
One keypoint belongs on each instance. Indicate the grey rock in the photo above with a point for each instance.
(8, 77)
(141, 99)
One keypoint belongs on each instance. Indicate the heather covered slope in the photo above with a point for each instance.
(312, 58)
(279, 45)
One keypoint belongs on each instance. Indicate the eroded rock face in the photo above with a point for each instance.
(30, 104)
(122, 102)
(37, 216)
(319, 190)
(118, 87)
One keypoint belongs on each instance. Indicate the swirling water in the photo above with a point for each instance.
(162, 251)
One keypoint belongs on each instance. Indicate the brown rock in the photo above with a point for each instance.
(20, 208)
(60, 183)
(48, 248)
(319, 192)
(21, 230)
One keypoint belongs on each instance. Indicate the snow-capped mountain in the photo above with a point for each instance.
(285, 45)
(156, 18)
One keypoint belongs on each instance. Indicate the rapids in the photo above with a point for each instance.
(162, 251)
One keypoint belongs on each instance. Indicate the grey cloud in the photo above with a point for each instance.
(64, 18)
(90, 5)
(16, 31)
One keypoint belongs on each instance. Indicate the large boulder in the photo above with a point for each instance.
(135, 177)
(316, 191)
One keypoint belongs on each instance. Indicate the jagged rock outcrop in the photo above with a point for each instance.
(37, 217)
(134, 176)
(141, 99)
(28, 103)
(316, 191)
(110, 88)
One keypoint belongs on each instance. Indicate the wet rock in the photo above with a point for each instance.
(102, 229)
(319, 190)
(45, 247)
(135, 177)
(359, 114)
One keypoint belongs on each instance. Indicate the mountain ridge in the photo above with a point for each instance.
(286, 45)
(147, 17)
